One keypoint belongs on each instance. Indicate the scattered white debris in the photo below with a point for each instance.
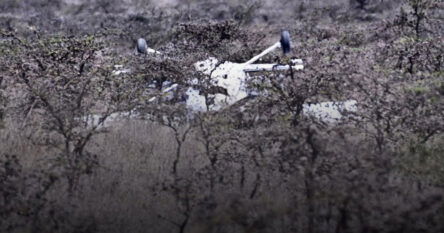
(93, 120)
(326, 111)
(170, 88)
(195, 102)
(118, 72)
(330, 111)
(232, 77)
(249, 68)
(166, 92)
(150, 50)
(227, 75)
(118, 69)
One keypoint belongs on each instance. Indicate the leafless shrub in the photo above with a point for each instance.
(261, 165)
(26, 203)
(58, 78)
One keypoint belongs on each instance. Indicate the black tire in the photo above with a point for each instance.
(141, 46)
(285, 42)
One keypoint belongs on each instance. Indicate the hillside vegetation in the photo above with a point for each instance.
(260, 165)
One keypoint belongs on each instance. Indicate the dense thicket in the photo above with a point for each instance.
(261, 165)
